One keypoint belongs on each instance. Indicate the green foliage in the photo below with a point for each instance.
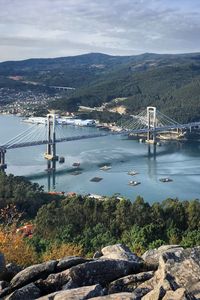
(191, 239)
(91, 224)
(173, 88)
(26, 196)
(94, 224)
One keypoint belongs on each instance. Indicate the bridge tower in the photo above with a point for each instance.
(50, 154)
(3, 165)
(151, 123)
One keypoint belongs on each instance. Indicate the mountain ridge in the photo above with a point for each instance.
(146, 79)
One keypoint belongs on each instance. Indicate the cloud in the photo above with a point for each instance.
(68, 27)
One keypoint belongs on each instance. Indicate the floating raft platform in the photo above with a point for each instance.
(96, 179)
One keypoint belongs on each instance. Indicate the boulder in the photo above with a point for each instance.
(121, 252)
(11, 270)
(68, 262)
(102, 271)
(118, 296)
(27, 292)
(184, 266)
(178, 268)
(151, 257)
(129, 283)
(53, 283)
(32, 273)
(81, 293)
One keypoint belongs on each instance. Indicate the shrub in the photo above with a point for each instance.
(16, 249)
(59, 251)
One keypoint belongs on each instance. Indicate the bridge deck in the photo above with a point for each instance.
(88, 136)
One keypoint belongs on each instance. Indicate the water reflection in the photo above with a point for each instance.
(51, 175)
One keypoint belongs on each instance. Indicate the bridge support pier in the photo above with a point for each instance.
(3, 165)
(50, 154)
(151, 123)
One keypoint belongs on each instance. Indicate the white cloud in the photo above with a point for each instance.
(46, 28)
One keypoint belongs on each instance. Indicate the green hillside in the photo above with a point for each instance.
(170, 82)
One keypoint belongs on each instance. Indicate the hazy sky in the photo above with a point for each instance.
(50, 28)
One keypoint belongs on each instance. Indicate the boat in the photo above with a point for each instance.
(134, 183)
(166, 179)
(132, 173)
(105, 168)
(76, 164)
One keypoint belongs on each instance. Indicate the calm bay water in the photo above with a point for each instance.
(179, 161)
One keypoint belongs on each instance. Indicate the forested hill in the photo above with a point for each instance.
(171, 82)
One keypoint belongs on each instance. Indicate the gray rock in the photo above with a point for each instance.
(151, 257)
(184, 266)
(3, 285)
(5, 292)
(119, 251)
(129, 283)
(11, 270)
(81, 293)
(102, 271)
(69, 262)
(179, 294)
(97, 254)
(156, 294)
(33, 273)
(27, 292)
(2, 265)
(118, 296)
(139, 293)
(53, 283)
(178, 268)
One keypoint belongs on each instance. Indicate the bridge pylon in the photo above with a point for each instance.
(3, 165)
(50, 154)
(151, 124)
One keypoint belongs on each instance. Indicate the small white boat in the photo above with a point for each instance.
(105, 168)
(167, 179)
(132, 173)
(134, 183)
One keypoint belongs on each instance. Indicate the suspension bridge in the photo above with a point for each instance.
(149, 122)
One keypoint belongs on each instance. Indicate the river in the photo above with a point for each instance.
(178, 160)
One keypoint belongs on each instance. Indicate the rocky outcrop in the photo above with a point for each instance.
(10, 271)
(117, 273)
(119, 296)
(29, 291)
(120, 252)
(68, 262)
(33, 273)
(178, 269)
(129, 283)
(86, 292)
(151, 257)
(102, 271)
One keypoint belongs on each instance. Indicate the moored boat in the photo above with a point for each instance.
(105, 168)
(134, 183)
(132, 173)
(166, 179)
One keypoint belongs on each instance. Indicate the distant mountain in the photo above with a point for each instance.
(171, 82)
